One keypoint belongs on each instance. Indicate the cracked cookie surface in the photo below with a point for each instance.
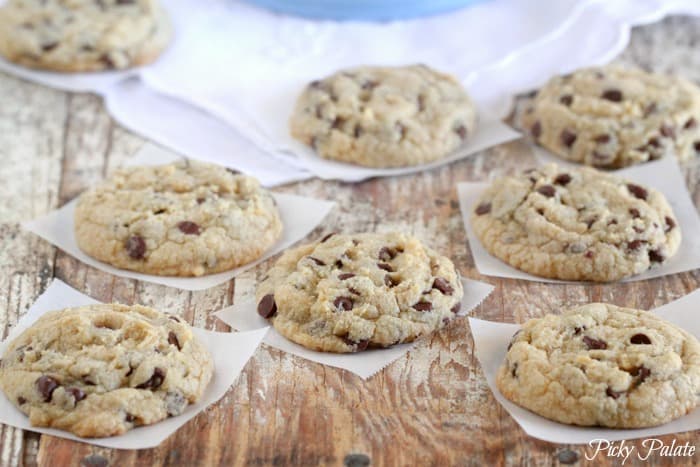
(384, 116)
(602, 365)
(101, 370)
(83, 35)
(350, 292)
(576, 224)
(187, 218)
(612, 117)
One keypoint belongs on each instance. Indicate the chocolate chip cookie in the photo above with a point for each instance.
(384, 116)
(613, 117)
(83, 35)
(602, 365)
(182, 219)
(576, 224)
(101, 370)
(348, 293)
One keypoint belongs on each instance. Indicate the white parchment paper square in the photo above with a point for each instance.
(243, 316)
(663, 175)
(300, 215)
(491, 341)
(230, 351)
(488, 133)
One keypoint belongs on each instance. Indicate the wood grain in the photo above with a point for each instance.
(432, 407)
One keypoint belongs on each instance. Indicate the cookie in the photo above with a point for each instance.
(83, 35)
(612, 117)
(576, 224)
(101, 370)
(384, 116)
(348, 293)
(602, 365)
(187, 218)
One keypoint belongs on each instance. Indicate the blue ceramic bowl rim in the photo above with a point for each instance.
(362, 10)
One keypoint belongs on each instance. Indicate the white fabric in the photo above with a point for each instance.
(245, 65)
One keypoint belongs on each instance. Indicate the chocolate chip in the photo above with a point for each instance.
(172, 339)
(129, 418)
(691, 123)
(49, 46)
(654, 142)
(635, 244)
(595, 344)
(346, 275)
(670, 224)
(462, 132)
(385, 266)
(540, 211)
(46, 385)
(358, 131)
(642, 372)
(567, 137)
(591, 221)
(443, 286)
(637, 191)
(536, 130)
(655, 256)
(602, 139)
(338, 122)
(389, 281)
(386, 253)
(614, 394)
(566, 99)
(338, 264)
(174, 318)
(640, 339)
(359, 346)
(562, 179)
(106, 60)
(317, 261)
(343, 303)
(455, 309)
(77, 393)
(135, 246)
(547, 190)
(578, 329)
(483, 208)
(353, 291)
(634, 212)
(188, 227)
(588, 254)
(21, 400)
(514, 370)
(668, 131)
(267, 306)
(613, 95)
(423, 306)
(155, 380)
(327, 237)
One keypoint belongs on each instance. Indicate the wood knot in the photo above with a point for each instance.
(356, 460)
(94, 460)
(567, 456)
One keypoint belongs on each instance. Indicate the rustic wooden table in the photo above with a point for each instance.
(432, 407)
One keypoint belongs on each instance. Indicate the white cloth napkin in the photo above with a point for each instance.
(245, 65)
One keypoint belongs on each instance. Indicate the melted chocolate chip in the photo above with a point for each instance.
(77, 393)
(129, 418)
(567, 137)
(588, 254)
(691, 123)
(21, 400)
(634, 212)
(423, 306)
(188, 228)
(327, 237)
(386, 253)
(174, 318)
(338, 264)
(640, 339)
(455, 309)
(483, 208)
(602, 139)
(613, 95)
(389, 281)
(385, 266)
(637, 191)
(670, 224)
(359, 346)
(443, 286)
(578, 329)
(317, 261)
(267, 306)
(562, 179)
(635, 244)
(594, 344)
(343, 303)
(668, 131)
(547, 190)
(536, 130)
(46, 385)
(642, 372)
(155, 380)
(614, 394)
(338, 123)
(48, 47)
(135, 246)
(345, 275)
(172, 339)
(655, 256)
(566, 99)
